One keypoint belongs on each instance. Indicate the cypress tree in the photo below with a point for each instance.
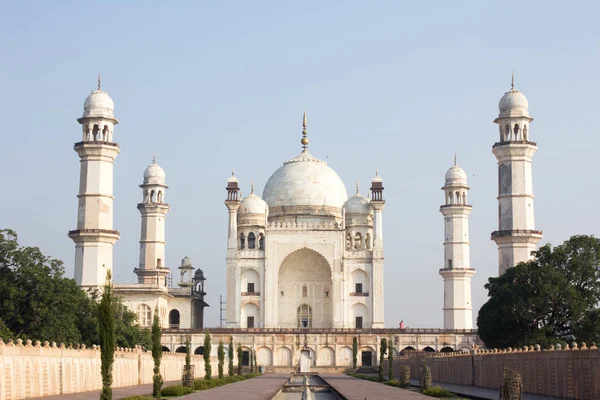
(239, 354)
(221, 353)
(106, 330)
(391, 360)
(382, 351)
(188, 375)
(354, 350)
(230, 354)
(207, 367)
(156, 355)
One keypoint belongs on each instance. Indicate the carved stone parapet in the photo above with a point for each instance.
(97, 151)
(94, 235)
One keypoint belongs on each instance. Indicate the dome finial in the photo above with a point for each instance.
(357, 192)
(377, 172)
(232, 172)
(252, 188)
(99, 82)
(455, 159)
(304, 139)
(512, 81)
(154, 158)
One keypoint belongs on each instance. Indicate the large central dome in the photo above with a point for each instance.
(305, 186)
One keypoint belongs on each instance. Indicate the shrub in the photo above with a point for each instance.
(512, 385)
(437, 391)
(176, 391)
(204, 384)
(425, 379)
(392, 382)
(404, 376)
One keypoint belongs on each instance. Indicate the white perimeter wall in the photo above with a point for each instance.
(28, 370)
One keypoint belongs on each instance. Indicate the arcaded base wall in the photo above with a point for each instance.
(28, 370)
(568, 373)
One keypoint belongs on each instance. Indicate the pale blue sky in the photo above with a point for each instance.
(398, 86)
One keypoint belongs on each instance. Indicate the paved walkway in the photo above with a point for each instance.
(361, 389)
(482, 393)
(118, 393)
(260, 388)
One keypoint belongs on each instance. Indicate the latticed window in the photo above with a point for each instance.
(305, 316)
(144, 314)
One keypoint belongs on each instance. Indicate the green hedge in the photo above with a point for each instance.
(138, 398)
(437, 391)
(203, 384)
(176, 390)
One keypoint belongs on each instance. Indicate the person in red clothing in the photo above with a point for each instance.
(401, 325)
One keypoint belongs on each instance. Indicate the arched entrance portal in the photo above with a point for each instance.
(304, 291)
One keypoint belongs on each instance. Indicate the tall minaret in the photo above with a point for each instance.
(457, 271)
(94, 237)
(377, 202)
(516, 236)
(233, 280)
(154, 211)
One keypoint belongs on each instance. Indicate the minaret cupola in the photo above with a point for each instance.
(187, 272)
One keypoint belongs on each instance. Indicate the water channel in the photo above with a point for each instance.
(307, 387)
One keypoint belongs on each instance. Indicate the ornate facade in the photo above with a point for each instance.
(304, 255)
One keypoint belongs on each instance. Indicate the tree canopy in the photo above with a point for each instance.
(37, 302)
(552, 298)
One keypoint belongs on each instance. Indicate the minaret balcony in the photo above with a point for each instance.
(106, 151)
(251, 294)
(95, 143)
(516, 232)
(509, 142)
(456, 205)
(94, 235)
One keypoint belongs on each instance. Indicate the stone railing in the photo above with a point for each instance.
(313, 331)
(563, 371)
(44, 369)
(516, 232)
(505, 142)
(283, 226)
(456, 205)
(96, 142)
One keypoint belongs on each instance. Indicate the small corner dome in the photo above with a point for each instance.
(357, 204)
(199, 275)
(456, 175)
(377, 178)
(232, 179)
(98, 103)
(186, 262)
(154, 174)
(513, 102)
(253, 205)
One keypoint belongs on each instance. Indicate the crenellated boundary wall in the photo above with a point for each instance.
(565, 372)
(35, 369)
